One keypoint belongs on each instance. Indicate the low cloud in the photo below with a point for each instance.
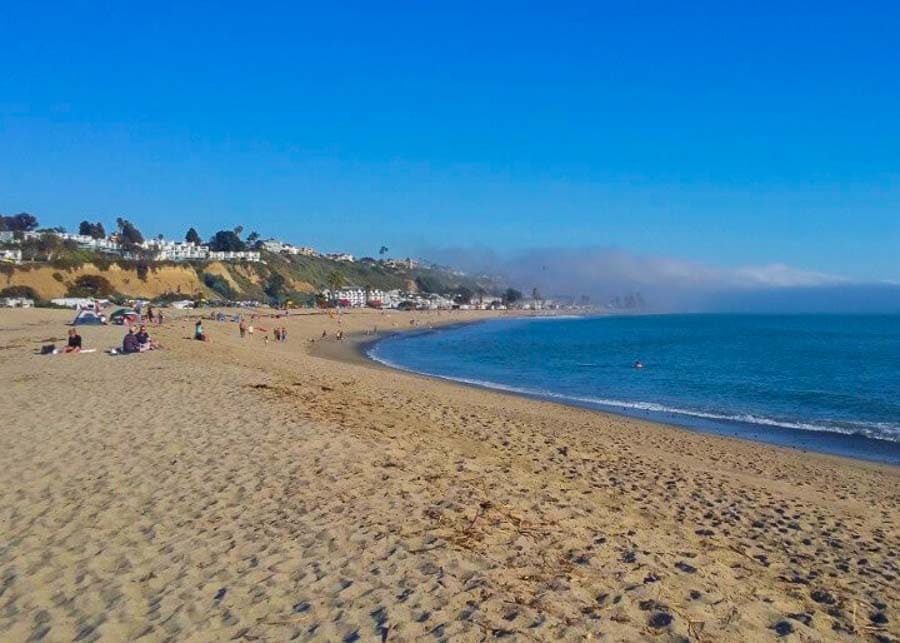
(665, 283)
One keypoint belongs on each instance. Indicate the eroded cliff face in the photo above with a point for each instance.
(50, 282)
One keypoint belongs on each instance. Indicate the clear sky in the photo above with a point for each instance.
(729, 134)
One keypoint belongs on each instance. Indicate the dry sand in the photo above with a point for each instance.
(238, 490)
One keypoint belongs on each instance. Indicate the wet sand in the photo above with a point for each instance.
(235, 489)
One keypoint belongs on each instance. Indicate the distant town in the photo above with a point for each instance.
(427, 286)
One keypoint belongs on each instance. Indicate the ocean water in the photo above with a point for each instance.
(825, 383)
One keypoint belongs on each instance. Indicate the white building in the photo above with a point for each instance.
(280, 247)
(90, 243)
(299, 250)
(11, 256)
(235, 255)
(341, 256)
(273, 245)
(16, 302)
(357, 297)
(176, 250)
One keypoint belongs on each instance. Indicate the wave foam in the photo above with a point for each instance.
(875, 430)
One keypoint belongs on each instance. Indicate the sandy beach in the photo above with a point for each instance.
(236, 490)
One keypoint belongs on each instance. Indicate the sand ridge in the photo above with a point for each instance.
(289, 491)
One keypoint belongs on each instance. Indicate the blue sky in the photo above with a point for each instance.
(727, 134)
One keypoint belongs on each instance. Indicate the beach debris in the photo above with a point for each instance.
(879, 618)
(220, 594)
(301, 607)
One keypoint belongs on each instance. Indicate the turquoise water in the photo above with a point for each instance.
(823, 383)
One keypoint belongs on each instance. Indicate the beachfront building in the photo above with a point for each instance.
(16, 302)
(357, 297)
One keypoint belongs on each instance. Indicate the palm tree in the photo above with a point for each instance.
(335, 282)
(382, 250)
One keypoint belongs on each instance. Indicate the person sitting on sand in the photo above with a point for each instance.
(74, 343)
(277, 333)
(198, 331)
(130, 343)
(144, 341)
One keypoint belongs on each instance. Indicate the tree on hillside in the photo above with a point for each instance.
(193, 236)
(383, 250)
(335, 281)
(512, 295)
(91, 286)
(129, 232)
(463, 295)
(429, 283)
(20, 291)
(276, 287)
(93, 230)
(22, 222)
(226, 241)
(253, 237)
(44, 247)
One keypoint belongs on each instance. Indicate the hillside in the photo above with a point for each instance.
(296, 278)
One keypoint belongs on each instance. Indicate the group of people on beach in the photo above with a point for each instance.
(138, 342)
(153, 316)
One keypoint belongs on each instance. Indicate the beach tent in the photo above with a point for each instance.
(123, 315)
(87, 316)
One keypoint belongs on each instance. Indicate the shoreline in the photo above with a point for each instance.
(354, 350)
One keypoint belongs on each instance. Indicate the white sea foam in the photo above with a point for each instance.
(876, 430)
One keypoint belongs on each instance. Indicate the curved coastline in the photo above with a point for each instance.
(797, 436)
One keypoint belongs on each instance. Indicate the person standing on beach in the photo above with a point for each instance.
(283, 334)
(242, 327)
